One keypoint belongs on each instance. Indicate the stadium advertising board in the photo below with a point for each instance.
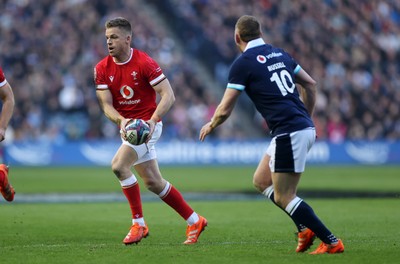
(100, 153)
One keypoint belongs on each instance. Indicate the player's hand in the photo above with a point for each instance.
(152, 125)
(205, 130)
(122, 127)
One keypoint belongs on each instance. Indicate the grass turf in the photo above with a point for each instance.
(238, 232)
(203, 179)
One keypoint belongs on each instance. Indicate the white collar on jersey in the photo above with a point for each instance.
(125, 62)
(254, 43)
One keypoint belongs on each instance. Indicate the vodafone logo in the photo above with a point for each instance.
(261, 59)
(126, 92)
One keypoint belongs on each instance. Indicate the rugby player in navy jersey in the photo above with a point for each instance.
(269, 76)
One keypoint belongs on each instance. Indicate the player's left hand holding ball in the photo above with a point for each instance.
(152, 125)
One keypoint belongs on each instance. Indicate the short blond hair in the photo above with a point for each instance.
(248, 28)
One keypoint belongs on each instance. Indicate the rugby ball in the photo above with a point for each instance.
(137, 131)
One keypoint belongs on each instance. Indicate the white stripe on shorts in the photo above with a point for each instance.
(288, 152)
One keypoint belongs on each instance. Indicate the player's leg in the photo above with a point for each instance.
(152, 178)
(6, 188)
(285, 185)
(262, 178)
(287, 164)
(262, 181)
(121, 166)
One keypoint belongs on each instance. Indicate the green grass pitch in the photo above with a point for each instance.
(249, 231)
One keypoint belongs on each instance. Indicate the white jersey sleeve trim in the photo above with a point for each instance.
(3, 83)
(157, 80)
(235, 86)
(297, 69)
(102, 86)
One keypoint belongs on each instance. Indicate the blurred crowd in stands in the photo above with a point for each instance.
(351, 48)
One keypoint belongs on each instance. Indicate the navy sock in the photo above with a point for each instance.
(301, 212)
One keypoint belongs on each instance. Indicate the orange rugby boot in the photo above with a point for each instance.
(193, 232)
(330, 249)
(6, 189)
(136, 233)
(305, 239)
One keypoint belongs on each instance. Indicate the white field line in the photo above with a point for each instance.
(119, 197)
(224, 243)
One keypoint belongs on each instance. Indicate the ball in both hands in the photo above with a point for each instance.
(137, 131)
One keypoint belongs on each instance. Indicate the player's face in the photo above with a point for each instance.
(118, 42)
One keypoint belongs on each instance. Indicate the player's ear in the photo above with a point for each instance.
(237, 39)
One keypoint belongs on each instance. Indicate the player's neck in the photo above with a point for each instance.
(124, 57)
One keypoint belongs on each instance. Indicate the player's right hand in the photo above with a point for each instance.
(122, 127)
(205, 130)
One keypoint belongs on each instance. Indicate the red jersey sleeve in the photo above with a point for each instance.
(99, 77)
(3, 80)
(153, 71)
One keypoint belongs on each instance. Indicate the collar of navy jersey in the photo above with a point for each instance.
(254, 43)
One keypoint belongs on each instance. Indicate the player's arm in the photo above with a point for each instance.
(105, 100)
(167, 99)
(308, 90)
(166, 93)
(7, 97)
(222, 112)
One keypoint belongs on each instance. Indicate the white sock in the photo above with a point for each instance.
(268, 191)
(129, 181)
(165, 191)
(292, 206)
(193, 218)
(139, 221)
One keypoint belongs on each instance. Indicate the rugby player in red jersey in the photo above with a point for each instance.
(127, 81)
(7, 98)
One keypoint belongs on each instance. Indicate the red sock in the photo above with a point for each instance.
(174, 198)
(132, 193)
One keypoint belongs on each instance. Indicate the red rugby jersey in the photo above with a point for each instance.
(130, 83)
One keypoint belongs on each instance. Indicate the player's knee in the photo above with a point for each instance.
(261, 183)
(282, 200)
(118, 170)
(257, 185)
(153, 184)
(279, 200)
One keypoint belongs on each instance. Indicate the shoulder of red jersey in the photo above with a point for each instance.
(106, 60)
(3, 80)
(149, 66)
(99, 72)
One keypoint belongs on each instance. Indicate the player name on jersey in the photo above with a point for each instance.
(276, 66)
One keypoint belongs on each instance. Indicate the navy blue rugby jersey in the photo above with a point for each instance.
(267, 74)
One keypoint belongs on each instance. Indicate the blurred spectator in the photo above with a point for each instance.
(336, 128)
(352, 47)
(51, 46)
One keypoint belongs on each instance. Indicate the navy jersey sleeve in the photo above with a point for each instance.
(237, 75)
(294, 65)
